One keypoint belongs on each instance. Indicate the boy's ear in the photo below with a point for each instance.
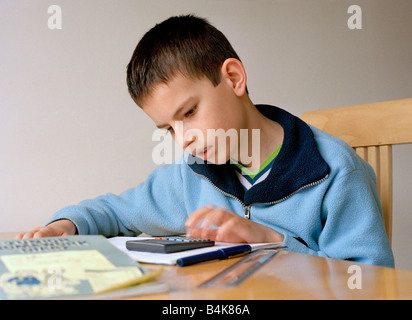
(233, 71)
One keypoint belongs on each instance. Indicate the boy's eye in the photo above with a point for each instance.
(191, 112)
(187, 114)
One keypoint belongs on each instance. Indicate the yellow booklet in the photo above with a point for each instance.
(65, 266)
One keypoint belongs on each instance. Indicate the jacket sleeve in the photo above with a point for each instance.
(155, 206)
(353, 225)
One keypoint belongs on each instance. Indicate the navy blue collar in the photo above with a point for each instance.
(298, 164)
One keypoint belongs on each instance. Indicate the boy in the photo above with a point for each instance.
(302, 186)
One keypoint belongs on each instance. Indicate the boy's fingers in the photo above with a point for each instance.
(206, 218)
(55, 229)
(44, 232)
(205, 229)
(19, 236)
(28, 235)
(207, 221)
(196, 216)
(193, 221)
(214, 219)
(205, 233)
(39, 232)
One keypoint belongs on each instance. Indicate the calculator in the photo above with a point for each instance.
(168, 244)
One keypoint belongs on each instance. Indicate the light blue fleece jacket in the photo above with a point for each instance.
(319, 194)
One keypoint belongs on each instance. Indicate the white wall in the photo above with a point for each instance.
(69, 131)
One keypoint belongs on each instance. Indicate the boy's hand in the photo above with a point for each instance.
(57, 228)
(226, 226)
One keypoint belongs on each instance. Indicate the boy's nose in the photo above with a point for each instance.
(183, 137)
(189, 139)
(187, 142)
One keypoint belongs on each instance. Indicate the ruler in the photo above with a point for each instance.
(241, 270)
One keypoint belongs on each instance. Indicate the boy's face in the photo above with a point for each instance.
(199, 115)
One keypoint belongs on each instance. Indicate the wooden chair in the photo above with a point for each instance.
(371, 129)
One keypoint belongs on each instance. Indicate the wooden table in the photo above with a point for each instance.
(289, 275)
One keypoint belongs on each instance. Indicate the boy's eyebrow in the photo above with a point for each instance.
(178, 110)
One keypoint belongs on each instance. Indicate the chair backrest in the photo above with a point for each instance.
(371, 130)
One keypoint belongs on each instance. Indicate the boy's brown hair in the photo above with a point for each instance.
(183, 44)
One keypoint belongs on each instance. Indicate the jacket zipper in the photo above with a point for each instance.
(246, 209)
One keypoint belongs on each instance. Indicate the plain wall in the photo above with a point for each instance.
(69, 130)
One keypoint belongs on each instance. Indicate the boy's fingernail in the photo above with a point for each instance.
(213, 227)
(199, 223)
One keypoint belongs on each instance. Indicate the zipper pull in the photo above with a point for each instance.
(246, 213)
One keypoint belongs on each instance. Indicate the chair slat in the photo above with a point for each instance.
(386, 186)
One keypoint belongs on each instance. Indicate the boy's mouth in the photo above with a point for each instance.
(203, 154)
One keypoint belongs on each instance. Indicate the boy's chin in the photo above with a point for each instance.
(218, 163)
(211, 160)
